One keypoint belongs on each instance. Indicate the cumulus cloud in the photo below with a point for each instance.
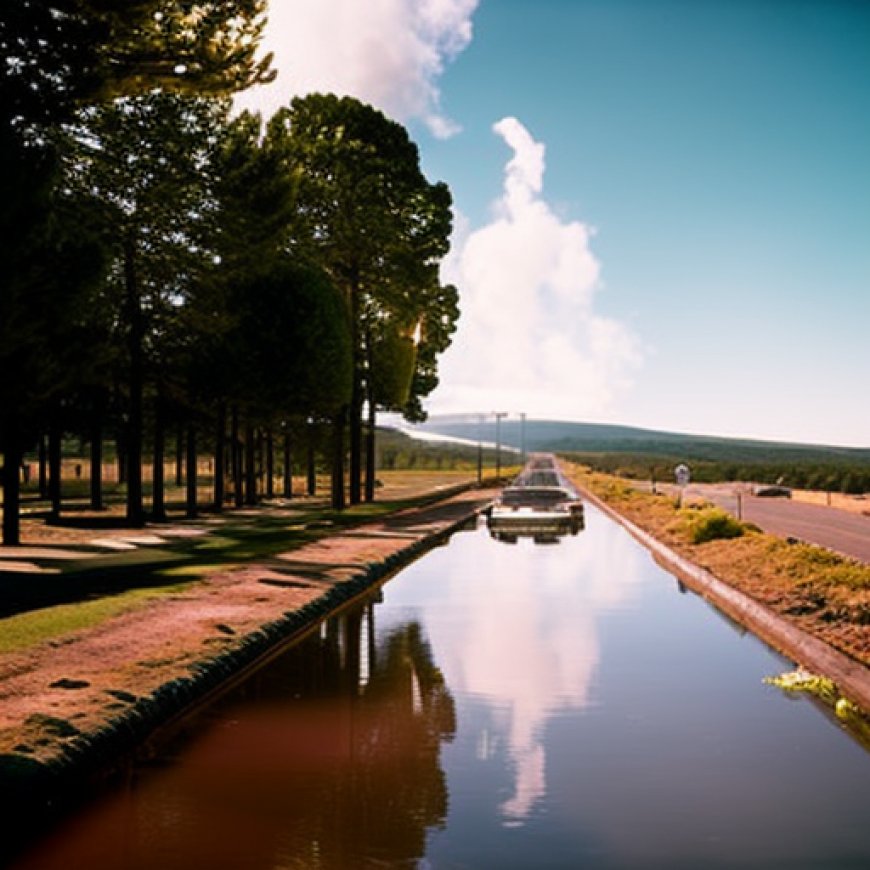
(389, 53)
(529, 338)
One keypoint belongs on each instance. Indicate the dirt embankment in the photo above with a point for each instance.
(70, 705)
(811, 604)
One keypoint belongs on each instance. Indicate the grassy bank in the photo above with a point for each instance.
(77, 594)
(825, 594)
(50, 623)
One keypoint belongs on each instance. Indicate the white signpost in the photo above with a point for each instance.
(682, 474)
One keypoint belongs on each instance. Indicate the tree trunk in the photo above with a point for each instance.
(259, 464)
(135, 339)
(270, 464)
(238, 497)
(96, 476)
(312, 468)
(219, 456)
(191, 471)
(54, 468)
(354, 494)
(43, 468)
(337, 481)
(288, 470)
(250, 465)
(12, 453)
(354, 490)
(158, 496)
(370, 446)
(121, 458)
(179, 455)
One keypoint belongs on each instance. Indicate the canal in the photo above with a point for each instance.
(499, 705)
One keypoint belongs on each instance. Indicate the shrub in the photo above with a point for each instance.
(710, 524)
(807, 563)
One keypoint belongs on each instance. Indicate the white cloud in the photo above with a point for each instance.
(529, 338)
(389, 53)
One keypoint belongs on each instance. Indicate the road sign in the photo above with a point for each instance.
(682, 474)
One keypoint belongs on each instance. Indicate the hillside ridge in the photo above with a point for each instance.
(566, 436)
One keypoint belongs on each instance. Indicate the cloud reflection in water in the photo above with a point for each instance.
(502, 640)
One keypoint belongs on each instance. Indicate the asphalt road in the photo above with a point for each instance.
(842, 531)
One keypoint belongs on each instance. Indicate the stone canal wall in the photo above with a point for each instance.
(851, 677)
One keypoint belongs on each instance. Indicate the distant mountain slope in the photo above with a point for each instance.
(553, 435)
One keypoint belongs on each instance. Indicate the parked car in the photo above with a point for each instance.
(775, 491)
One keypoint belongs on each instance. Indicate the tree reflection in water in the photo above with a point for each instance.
(358, 753)
(329, 757)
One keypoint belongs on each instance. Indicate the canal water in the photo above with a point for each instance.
(562, 703)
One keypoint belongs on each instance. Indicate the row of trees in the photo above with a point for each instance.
(169, 264)
(850, 478)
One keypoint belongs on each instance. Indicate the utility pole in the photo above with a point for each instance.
(480, 449)
(523, 436)
(498, 418)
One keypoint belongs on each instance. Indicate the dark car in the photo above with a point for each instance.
(773, 491)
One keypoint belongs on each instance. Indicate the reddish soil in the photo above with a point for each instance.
(52, 693)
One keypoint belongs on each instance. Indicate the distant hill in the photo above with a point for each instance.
(596, 438)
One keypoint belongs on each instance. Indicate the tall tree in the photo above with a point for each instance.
(45, 281)
(402, 360)
(146, 160)
(57, 56)
(290, 349)
(253, 194)
(367, 213)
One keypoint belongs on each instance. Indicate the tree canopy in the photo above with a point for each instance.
(278, 274)
(290, 347)
(366, 212)
(63, 53)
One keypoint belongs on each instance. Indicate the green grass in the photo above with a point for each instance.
(52, 623)
(116, 582)
(197, 571)
(710, 524)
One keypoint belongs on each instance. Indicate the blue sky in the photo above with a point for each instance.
(662, 206)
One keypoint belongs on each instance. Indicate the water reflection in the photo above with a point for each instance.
(529, 660)
(328, 758)
(539, 533)
(502, 706)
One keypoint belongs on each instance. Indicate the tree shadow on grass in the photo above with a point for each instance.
(239, 539)
(98, 523)
(21, 592)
